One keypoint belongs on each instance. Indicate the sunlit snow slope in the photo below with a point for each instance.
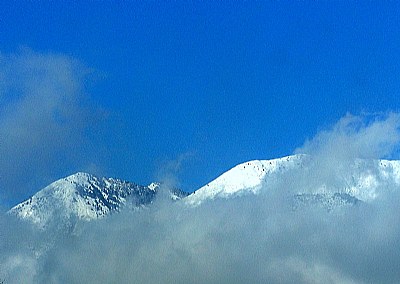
(360, 179)
(243, 178)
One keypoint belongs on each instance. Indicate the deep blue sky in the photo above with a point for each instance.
(218, 83)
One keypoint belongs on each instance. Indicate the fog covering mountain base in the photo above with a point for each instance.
(257, 237)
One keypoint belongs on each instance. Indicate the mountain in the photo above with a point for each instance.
(83, 196)
(244, 178)
(349, 181)
(308, 181)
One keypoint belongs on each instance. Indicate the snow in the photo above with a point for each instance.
(153, 186)
(363, 180)
(244, 178)
(82, 196)
(86, 197)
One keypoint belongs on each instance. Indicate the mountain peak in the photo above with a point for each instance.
(245, 177)
(82, 196)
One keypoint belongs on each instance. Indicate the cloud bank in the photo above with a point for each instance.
(44, 113)
(249, 239)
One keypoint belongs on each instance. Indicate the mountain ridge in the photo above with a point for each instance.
(83, 196)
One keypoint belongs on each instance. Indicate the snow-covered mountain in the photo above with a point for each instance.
(244, 178)
(357, 180)
(83, 196)
(86, 197)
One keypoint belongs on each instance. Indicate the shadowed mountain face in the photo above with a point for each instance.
(324, 200)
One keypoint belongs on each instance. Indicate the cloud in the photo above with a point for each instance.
(44, 113)
(365, 136)
(243, 240)
(333, 152)
(248, 239)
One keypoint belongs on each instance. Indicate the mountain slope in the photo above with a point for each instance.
(360, 179)
(243, 178)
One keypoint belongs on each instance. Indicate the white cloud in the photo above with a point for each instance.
(253, 239)
(366, 136)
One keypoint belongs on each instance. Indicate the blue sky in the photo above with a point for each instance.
(185, 91)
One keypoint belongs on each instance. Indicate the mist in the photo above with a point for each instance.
(252, 239)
